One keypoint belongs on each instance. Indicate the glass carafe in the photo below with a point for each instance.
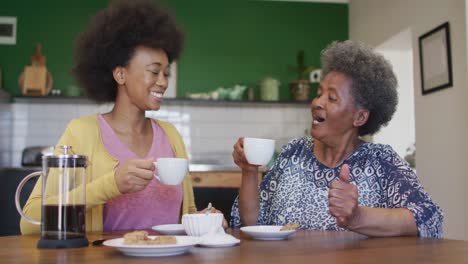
(63, 200)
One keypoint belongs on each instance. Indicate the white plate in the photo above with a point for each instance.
(174, 229)
(184, 244)
(218, 244)
(267, 232)
(219, 241)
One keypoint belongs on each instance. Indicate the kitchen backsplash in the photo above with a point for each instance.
(209, 131)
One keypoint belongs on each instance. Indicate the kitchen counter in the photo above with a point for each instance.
(203, 174)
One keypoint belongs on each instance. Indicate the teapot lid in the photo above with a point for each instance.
(65, 158)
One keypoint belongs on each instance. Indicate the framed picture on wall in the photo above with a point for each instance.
(436, 59)
(8, 30)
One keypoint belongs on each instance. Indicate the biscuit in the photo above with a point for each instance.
(293, 226)
(141, 238)
(163, 240)
(135, 238)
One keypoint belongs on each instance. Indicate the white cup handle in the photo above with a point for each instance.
(17, 197)
(155, 168)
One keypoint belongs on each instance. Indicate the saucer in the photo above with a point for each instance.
(172, 229)
(267, 232)
(218, 241)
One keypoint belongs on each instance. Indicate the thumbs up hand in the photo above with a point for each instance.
(343, 200)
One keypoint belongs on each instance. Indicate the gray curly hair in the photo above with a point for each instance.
(374, 83)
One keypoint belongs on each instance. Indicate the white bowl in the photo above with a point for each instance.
(200, 224)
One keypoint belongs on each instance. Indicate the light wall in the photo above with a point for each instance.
(209, 130)
(399, 133)
(440, 117)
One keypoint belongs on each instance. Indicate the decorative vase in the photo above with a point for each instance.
(300, 90)
(269, 89)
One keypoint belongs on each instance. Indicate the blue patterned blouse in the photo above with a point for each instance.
(295, 189)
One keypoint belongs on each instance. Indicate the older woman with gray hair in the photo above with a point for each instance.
(334, 180)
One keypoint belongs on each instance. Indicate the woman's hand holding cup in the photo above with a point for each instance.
(250, 153)
(238, 155)
(134, 175)
(171, 171)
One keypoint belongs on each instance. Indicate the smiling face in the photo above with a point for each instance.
(144, 80)
(334, 113)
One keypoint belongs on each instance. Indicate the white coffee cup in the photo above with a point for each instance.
(171, 171)
(258, 151)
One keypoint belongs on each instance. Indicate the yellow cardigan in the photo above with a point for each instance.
(84, 136)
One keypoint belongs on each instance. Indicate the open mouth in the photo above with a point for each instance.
(318, 120)
(157, 95)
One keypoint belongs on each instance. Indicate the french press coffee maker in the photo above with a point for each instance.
(63, 200)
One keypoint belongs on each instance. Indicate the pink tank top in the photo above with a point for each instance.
(156, 204)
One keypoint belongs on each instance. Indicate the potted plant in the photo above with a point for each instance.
(300, 88)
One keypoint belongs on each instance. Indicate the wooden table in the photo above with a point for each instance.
(312, 247)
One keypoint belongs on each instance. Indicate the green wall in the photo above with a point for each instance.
(54, 24)
(227, 41)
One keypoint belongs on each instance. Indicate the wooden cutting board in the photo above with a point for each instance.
(35, 81)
